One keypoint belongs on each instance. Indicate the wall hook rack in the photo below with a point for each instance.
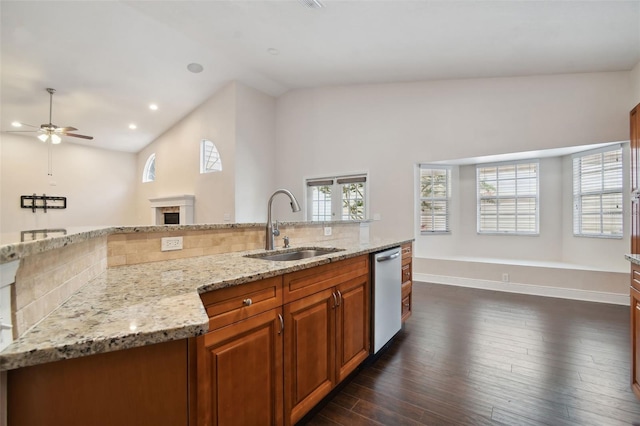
(43, 201)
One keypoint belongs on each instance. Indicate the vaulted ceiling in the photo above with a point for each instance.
(108, 60)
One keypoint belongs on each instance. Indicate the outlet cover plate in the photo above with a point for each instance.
(171, 243)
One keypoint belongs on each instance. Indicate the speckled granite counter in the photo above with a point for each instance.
(136, 305)
(633, 258)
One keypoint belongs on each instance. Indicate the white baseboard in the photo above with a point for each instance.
(536, 290)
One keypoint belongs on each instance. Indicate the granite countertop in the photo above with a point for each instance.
(633, 258)
(136, 305)
(12, 246)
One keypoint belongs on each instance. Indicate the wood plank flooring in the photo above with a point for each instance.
(477, 357)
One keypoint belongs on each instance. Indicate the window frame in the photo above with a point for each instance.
(337, 206)
(148, 165)
(577, 215)
(498, 197)
(446, 199)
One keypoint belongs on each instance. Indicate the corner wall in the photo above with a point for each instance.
(98, 185)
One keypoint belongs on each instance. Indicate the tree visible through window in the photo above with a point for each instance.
(435, 195)
(324, 204)
(597, 193)
(149, 173)
(508, 198)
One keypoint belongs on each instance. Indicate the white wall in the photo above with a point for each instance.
(178, 161)
(388, 128)
(256, 156)
(99, 184)
(464, 241)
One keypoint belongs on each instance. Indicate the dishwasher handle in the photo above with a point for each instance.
(389, 257)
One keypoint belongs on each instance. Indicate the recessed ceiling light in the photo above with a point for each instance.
(273, 51)
(153, 107)
(312, 4)
(16, 124)
(195, 67)
(133, 126)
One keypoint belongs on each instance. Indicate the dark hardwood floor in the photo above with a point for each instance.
(477, 357)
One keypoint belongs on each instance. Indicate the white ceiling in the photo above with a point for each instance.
(109, 59)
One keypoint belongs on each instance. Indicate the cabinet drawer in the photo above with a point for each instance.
(406, 289)
(231, 304)
(635, 276)
(406, 272)
(407, 251)
(309, 281)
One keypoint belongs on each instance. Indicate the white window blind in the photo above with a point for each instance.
(508, 198)
(337, 198)
(435, 197)
(597, 193)
(210, 160)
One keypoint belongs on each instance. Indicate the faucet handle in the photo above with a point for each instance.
(276, 231)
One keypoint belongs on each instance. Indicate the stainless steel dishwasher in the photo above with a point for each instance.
(387, 296)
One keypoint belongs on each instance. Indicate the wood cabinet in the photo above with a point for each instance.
(148, 385)
(407, 273)
(327, 331)
(277, 346)
(240, 372)
(239, 365)
(635, 329)
(634, 119)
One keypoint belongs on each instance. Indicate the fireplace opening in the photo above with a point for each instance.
(171, 218)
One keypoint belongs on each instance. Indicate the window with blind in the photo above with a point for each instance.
(508, 198)
(337, 198)
(210, 160)
(597, 193)
(435, 197)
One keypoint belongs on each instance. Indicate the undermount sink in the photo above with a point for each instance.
(295, 254)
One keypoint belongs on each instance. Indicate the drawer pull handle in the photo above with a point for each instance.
(407, 305)
(281, 324)
(247, 302)
(339, 298)
(335, 301)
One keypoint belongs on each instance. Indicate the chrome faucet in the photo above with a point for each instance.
(295, 207)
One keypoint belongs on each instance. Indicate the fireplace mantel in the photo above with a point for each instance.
(183, 202)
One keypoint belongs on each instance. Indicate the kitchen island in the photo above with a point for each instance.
(153, 311)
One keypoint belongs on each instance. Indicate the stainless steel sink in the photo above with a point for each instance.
(295, 254)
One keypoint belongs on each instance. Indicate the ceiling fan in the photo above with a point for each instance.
(51, 132)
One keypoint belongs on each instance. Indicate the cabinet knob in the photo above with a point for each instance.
(407, 305)
(247, 302)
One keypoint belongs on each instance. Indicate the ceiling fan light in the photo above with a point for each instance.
(16, 124)
(43, 137)
(55, 139)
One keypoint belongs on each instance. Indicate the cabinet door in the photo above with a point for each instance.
(240, 373)
(352, 325)
(309, 325)
(635, 341)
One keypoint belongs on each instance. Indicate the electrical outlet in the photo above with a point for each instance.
(171, 243)
(327, 231)
(505, 278)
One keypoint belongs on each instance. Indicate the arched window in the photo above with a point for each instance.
(209, 157)
(149, 174)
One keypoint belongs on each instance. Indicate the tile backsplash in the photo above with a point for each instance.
(143, 247)
(45, 280)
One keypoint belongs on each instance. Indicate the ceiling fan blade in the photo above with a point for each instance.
(79, 136)
(22, 131)
(65, 129)
(28, 125)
